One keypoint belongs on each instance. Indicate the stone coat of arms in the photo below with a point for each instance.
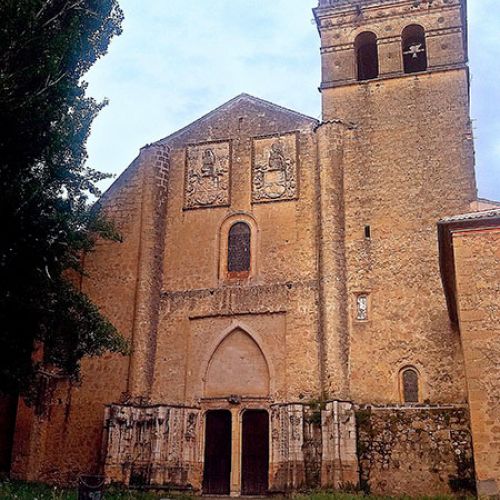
(274, 169)
(208, 175)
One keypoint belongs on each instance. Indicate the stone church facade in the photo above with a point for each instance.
(296, 317)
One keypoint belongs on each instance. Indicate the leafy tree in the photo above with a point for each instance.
(47, 222)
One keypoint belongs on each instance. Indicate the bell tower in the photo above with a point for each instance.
(365, 40)
(396, 156)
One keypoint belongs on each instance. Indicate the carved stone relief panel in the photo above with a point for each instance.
(275, 168)
(208, 170)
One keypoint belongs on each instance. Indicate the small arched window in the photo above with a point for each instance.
(410, 385)
(367, 55)
(238, 251)
(414, 49)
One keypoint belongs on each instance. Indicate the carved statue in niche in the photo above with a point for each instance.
(207, 183)
(208, 160)
(362, 307)
(275, 168)
(191, 427)
(295, 422)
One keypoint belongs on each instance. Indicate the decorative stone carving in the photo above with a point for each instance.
(362, 307)
(308, 451)
(339, 460)
(208, 175)
(274, 168)
(153, 446)
(287, 469)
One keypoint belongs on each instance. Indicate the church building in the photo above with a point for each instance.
(310, 304)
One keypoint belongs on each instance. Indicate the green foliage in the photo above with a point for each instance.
(338, 495)
(29, 491)
(46, 46)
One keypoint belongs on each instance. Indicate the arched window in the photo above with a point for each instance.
(410, 385)
(414, 49)
(238, 250)
(367, 55)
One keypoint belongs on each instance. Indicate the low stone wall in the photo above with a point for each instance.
(311, 446)
(153, 446)
(420, 450)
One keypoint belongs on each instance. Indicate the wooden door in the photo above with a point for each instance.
(217, 471)
(255, 453)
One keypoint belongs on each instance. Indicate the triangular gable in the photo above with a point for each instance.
(292, 120)
(298, 120)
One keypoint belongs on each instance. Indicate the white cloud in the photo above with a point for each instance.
(178, 59)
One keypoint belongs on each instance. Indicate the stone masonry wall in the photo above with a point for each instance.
(277, 303)
(477, 267)
(407, 162)
(66, 441)
(413, 451)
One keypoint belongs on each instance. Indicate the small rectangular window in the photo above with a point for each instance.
(368, 232)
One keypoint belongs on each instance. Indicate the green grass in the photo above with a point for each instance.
(31, 491)
(325, 495)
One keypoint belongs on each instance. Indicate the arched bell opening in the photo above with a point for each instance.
(414, 49)
(367, 56)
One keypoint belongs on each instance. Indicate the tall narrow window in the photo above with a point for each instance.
(409, 380)
(367, 55)
(238, 255)
(414, 49)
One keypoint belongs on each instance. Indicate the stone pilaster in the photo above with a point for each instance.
(333, 288)
(155, 165)
(339, 460)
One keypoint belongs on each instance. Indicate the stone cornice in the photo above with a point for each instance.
(380, 10)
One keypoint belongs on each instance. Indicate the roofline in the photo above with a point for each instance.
(486, 200)
(228, 104)
(120, 180)
(133, 165)
(446, 229)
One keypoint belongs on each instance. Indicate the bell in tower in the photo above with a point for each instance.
(364, 40)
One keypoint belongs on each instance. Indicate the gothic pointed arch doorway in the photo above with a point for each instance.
(236, 395)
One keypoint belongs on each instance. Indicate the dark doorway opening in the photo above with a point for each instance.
(217, 472)
(255, 453)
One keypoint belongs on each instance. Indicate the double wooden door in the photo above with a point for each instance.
(254, 452)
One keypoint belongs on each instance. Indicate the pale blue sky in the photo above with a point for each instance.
(178, 59)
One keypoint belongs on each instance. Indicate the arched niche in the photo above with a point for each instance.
(237, 367)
